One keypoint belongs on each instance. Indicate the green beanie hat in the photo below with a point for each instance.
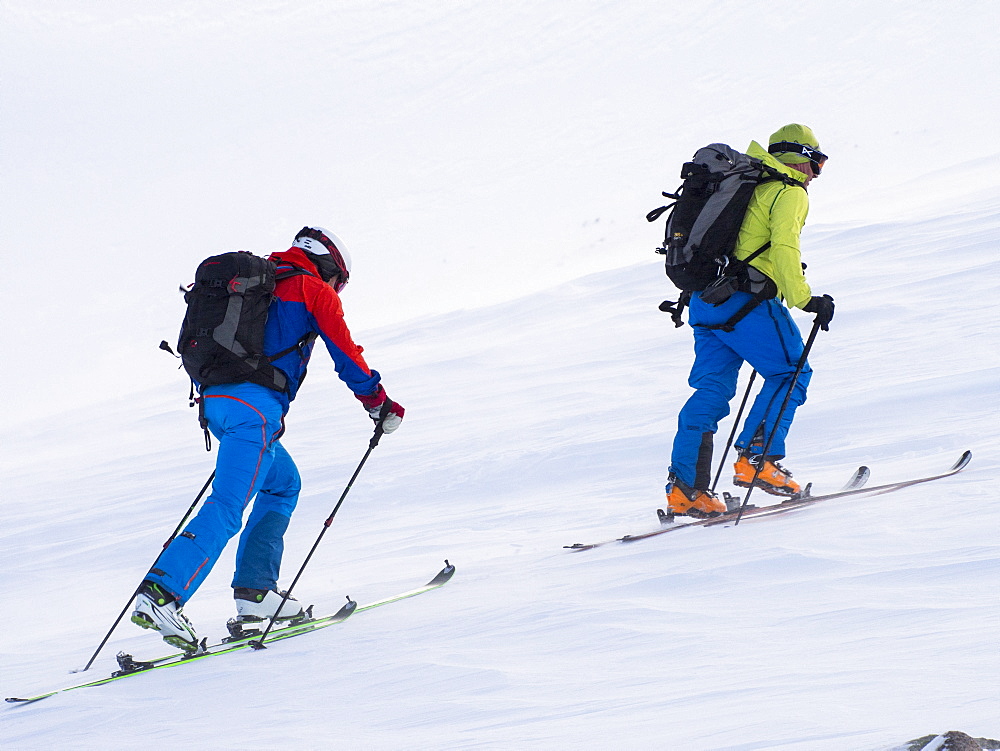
(794, 133)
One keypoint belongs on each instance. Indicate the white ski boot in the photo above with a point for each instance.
(256, 605)
(157, 609)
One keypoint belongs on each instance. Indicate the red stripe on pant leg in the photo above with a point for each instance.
(188, 584)
(263, 436)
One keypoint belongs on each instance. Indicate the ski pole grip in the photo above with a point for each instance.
(383, 413)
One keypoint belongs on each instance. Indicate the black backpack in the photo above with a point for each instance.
(705, 219)
(222, 336)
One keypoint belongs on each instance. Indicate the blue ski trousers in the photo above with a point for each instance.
(770, 341)
(252, 466)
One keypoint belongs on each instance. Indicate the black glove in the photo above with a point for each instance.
(823, 308)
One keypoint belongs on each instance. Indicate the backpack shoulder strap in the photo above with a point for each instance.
(305, 341)
(307, 338)
(289, 272)
(769, 174)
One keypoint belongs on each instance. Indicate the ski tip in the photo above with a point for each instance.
(963, 461)
(864, 475)
(345, 611)
(443, 575)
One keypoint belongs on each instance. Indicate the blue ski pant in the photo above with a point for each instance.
(769, 340)
(251, 466)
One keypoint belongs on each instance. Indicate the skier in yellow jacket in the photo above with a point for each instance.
(766, 337)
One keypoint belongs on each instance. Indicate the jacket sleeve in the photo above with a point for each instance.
(327, 311)
(788, 215)
(776, 214)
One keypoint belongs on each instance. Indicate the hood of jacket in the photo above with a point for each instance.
(759, 152)
(296, 257)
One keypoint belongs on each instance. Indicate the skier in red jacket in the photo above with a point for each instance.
(252, 465)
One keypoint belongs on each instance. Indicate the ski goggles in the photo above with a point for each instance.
(816, 157)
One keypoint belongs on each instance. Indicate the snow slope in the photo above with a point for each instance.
(535, 424)
(492, 157)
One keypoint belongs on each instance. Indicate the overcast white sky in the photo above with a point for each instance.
(467, 152)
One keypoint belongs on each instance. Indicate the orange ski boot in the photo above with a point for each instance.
(773, 478)
(684, 500)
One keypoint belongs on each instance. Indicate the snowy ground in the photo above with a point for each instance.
(532, 425)
(483, 161)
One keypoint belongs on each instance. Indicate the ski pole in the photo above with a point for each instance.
(128, 604)
(777, 421)
(379, 432)
(732, 435)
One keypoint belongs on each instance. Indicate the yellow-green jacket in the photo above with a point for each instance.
(777, 213)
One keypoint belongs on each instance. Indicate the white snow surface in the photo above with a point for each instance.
(489, 166)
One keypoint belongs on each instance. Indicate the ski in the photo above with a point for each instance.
(129, 666)
(797, 503)
(859, 477)
(855, 486)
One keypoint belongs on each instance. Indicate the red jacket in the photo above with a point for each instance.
(304, 304)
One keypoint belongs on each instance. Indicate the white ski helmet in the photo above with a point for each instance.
(327, 251)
